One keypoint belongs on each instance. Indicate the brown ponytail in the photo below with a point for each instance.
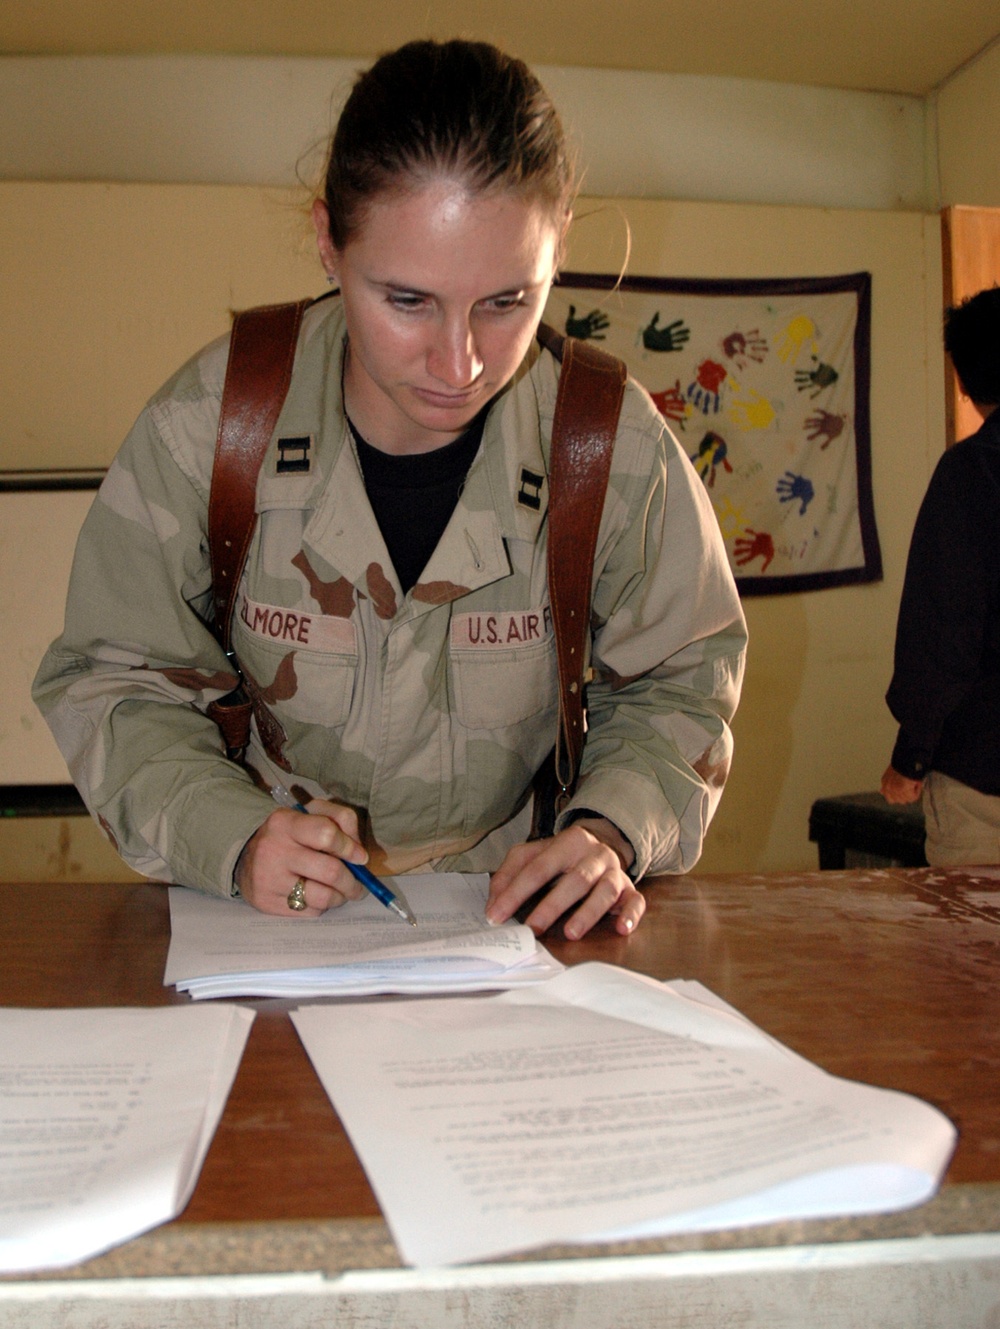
(459, 108)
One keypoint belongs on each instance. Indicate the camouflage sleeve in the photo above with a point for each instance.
(125, 687)
(668, 655)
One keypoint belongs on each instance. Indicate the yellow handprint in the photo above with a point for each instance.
(730, 518)
(799, 331)
(751, 411)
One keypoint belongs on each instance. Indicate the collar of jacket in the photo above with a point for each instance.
(341, 528)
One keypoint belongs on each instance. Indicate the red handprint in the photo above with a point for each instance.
(825, 426)
(760, 546)
(704, 391)
(671, 404)
(711, 375)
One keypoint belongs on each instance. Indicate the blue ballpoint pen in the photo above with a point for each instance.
(394, 900)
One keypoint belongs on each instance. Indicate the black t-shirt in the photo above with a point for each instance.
(413, 496)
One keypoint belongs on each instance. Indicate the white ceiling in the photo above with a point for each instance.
(902, 46)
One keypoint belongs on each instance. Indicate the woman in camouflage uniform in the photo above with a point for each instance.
(393, 622)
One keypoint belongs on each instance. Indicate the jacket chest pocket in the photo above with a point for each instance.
(497, 688)
(311, 684)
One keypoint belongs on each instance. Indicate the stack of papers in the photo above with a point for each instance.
(226, 948)
(604, 1106)
(105, 1119)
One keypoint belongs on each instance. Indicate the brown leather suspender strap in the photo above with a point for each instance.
(259, 370)
(589, 399)
(258, 373)
(591, 388)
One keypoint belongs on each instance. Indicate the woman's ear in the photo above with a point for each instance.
(327, 253)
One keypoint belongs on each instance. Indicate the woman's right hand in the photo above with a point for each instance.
(293, 845)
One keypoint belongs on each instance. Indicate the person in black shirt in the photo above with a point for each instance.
(945, 689)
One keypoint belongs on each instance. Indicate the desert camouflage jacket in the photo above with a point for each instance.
(429, 712)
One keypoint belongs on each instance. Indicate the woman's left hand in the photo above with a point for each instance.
(585, 864)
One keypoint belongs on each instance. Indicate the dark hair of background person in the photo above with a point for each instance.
(460, 108)
(972, 339)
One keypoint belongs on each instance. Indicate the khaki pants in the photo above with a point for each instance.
(963, 826)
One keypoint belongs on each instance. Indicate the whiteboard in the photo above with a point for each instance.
(38, 532)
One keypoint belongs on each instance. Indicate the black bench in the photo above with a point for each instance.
(41, 800)
(863, 830)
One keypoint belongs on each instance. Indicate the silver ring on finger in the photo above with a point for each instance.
(297, 896)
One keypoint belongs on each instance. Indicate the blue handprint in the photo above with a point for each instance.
(791, 487)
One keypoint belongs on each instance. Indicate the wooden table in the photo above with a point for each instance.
(891, 977)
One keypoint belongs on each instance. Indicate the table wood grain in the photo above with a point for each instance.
(890, 977)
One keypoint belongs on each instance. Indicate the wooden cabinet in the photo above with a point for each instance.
(971, 252)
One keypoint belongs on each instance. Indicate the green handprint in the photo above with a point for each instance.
(819, 378)
(590, 327)
(670, 338)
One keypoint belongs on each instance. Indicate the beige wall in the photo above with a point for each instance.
(264, 121)
(813, 721)
(109, 287)
(106, 289)
(968, 130)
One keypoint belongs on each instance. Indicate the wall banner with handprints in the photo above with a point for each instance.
(765, 384)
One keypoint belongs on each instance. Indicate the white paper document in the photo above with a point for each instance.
(226, 948)
(601, 1106)
(106, 1115)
